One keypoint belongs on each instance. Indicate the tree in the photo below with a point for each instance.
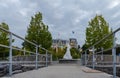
(61, 52)
(4, 40)
(38, 33)
(74, 53)
(58, 52)
(97, 29)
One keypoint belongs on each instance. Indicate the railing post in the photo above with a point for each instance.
(114, 56)
(85, 58)
(102, 54)
(46, 58)
(93, 50)
(81, 59)
(10, 54)
(51, 58)
(24, 51)
(36, 63)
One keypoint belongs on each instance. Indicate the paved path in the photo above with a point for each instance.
(60, 71)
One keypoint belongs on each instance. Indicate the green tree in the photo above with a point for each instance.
(97, 29)
(4, 40)
(38, 33)
(61, 52)
(58, 53)
(74, 53)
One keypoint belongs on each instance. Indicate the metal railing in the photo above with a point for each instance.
(86, 58)
(11, 48)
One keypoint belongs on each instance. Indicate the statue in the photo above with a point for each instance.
(68, 54)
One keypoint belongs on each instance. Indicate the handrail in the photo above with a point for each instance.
(17, 36)
(103, 39)
(14, 48)
(113, 51)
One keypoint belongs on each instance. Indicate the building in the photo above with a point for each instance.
(73, 42)
(59, 43)
(63, 43)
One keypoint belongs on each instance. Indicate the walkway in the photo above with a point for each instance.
(60, 71)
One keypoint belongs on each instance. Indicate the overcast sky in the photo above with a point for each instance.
(62, 16)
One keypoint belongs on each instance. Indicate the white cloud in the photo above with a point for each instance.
(81, 15)
(33, 5)
(14, 1)
(57, 4)
(58, 16)
(117, 23)
(116, 15)
(3, 5)
(54, 3)
(98, 12)
(23, 12)
(113, 4)
(62, 16)
(11, 2)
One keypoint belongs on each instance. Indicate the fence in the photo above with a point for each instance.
(32, 57)
(98, 58)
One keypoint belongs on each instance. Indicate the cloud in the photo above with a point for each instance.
(3, 5)
(62, 16)
(23, 12)
(116, 15)
(113, 4)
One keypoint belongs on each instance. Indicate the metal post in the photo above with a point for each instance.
(81, 59)
(10, 54)
(93, 58)
(24, 51)
(102, 55)
(36, 63)
(85, 58)
(114, 56)
(46, 58)
(51, 58)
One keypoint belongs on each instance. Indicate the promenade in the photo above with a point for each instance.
(62, 71)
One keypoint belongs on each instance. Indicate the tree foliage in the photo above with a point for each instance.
(38, 33)
(61, 52)
(58, 53)
(97, 29)
(75, 53)
(4, 40)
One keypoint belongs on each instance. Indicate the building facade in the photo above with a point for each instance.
(73, 42)
(59, 43)
(63, 43)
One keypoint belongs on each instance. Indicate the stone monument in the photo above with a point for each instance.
(67, 58)
(67, 54)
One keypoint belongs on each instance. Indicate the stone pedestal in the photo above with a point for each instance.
(69, 61)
